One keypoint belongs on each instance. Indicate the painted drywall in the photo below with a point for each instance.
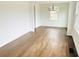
(16, 19)
(62, 15)
(31, 17)
(75, 32)
(71, 17)
(75, 36)
(37, 16)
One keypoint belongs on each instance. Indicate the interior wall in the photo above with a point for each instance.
(37, 15)
(62, 15)
(75, 31)
(16, 19)
(71, 17)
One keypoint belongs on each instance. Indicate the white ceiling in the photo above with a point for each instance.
(48, 2)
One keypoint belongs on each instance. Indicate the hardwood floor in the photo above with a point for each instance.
(44, 42)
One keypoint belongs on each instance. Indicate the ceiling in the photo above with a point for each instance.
(48, 2)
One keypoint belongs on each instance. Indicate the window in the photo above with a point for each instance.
(53, 15)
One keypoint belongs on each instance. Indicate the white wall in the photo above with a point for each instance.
(75, 36)
(75, 31)
(15, 20)
(62, 15)
(37, 14)
(71, 17)
(31, 17)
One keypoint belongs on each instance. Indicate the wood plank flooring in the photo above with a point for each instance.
(45, 42)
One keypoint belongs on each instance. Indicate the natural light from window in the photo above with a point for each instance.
(53, 15)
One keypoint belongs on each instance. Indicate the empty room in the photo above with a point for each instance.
(39, 28)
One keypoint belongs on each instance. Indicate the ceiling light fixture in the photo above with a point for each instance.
(52, 7)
